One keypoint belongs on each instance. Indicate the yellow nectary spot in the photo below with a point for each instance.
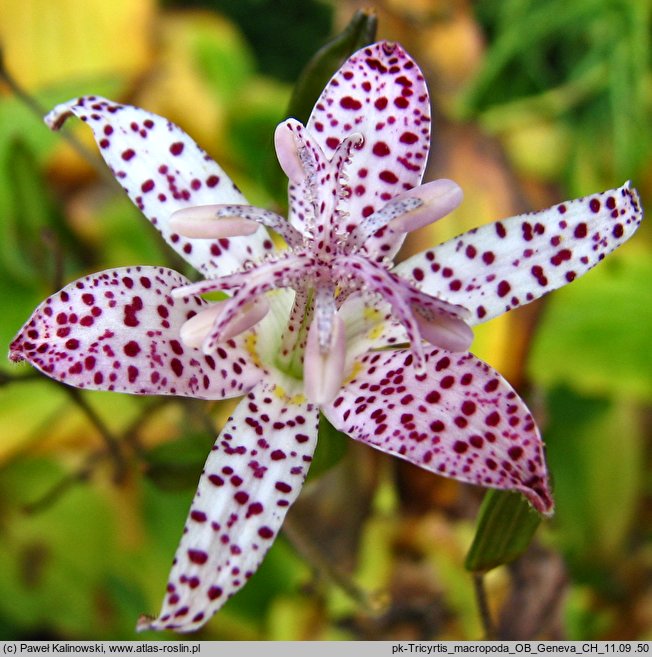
(354, 372)
(296, 399)
(250, 345)
(373, 316)
(375, 332)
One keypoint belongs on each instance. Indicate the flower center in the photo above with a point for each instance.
(326, 264)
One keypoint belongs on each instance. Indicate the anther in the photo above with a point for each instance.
(197, 328)
(439, 198)
(210, 222)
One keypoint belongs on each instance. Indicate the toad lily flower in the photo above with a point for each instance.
(324, 324)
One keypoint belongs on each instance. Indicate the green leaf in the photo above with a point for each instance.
(221, 54)
(506, 525)
(52, 568)
(282, 33)
(33, 229)
(331, 448)
(595, 454)
(595, 334)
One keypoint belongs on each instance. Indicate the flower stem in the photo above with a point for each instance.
(483, 606)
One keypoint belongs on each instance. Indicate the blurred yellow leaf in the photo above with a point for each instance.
(452, 48)
(176, 90)
(203, 61)
(539, 148)
(25, 410)
(48, 42)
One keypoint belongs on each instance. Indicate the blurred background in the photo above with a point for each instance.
(533, 103)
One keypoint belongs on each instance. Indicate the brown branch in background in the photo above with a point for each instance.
(129, 437)
(36, 108)
(65, 484)
(371, 602)
(195, 410)
(111, 442)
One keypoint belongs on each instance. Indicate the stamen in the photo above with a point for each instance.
(207, 285)
(286, 270)
(435, 320)
(194, 332)
(395, 291)
(323, 369)
(325, 311)
(217, 221)
(381, 218)
(289, 271)
(414, 209)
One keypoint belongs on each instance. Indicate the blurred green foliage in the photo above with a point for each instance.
(582, 67)
(281, 33)
(87, 541)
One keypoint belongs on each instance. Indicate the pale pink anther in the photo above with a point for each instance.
(204, 222)
(439, 197)
(195, 331)
(446, 332)
(224, 221)
(287, 152)
(323, 368)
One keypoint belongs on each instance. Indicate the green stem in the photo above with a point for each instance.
(483, 606)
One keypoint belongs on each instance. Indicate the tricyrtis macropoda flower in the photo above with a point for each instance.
(324, 324)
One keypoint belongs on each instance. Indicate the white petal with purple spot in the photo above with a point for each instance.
(252, 476)
(163, 170)
(120, 330)
(380, 93)
(503, 265)
(461, 419)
